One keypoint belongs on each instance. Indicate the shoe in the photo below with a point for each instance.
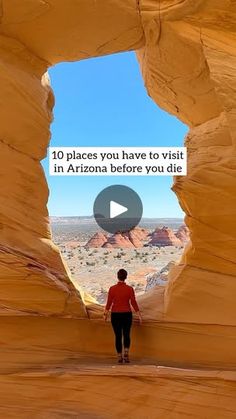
(126, 358)
(120, 359)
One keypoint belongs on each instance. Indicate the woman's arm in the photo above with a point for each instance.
(135, 304)
(133, 300)
(108, 304)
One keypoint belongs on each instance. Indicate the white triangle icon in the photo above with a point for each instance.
(116, 209)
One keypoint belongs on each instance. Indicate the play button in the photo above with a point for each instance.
(117, 208)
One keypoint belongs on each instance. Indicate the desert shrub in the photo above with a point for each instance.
(118, 256)
(90, 264)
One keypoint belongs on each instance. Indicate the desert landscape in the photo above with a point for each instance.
(57, 360)
(94, 257)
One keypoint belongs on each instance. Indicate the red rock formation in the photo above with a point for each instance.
(134, 237)
(130, 239)
(183, 234)
(164, 237)
(118, 240)
(98, 240)
(141, 233)
(127, 240)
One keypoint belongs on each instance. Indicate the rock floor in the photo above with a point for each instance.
(98, 389)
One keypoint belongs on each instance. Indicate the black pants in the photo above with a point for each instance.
(121, 323)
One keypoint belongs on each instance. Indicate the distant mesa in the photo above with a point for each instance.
(164, 236)
(97, 240)
(100, 216)
(183, 234)
(70, 220)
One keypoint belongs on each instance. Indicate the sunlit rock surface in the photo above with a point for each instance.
(160, 277)
(164, 237)
(97, 240)
(130, 239)
(187, 56)
(118, 240)
(183, 234)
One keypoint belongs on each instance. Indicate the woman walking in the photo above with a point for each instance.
(120, 299)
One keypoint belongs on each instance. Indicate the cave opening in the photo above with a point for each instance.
(103, 102)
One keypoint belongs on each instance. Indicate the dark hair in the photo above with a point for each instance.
(122, 274)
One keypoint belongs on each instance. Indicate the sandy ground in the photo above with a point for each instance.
(95, 269)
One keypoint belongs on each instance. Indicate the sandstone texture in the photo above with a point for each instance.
(118, 240)
(98, 240)
(141, 233)
(135, 236)
(130, 239)
(164, 237)
(183, 234)
(159, 278)
(135, 239)
(187, 55)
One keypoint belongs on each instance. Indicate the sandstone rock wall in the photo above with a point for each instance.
(33, 278)
(188, 63)
(187, 57)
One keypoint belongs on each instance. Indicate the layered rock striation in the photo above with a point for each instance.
(97, 240)
(159, 278)
(199, 90)
(187, 57)
(118, 240)
(164, 237)
(183, 234)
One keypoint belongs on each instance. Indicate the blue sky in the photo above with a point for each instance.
(103, 102)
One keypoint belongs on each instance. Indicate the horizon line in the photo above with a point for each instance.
(91, 216)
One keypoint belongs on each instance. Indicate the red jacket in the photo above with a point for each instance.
(120, 296)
